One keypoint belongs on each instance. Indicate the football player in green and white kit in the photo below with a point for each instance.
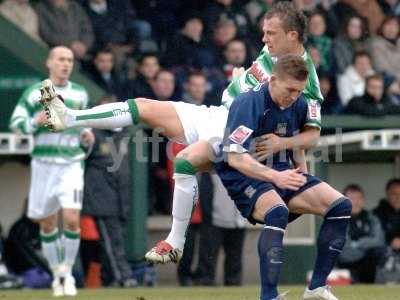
(200, 127)
(56, 170)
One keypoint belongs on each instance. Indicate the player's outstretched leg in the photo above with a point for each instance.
(193, 158)
(157, 114)
(331, 239)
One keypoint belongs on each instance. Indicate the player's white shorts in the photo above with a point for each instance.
(54, 186)
(202, 122)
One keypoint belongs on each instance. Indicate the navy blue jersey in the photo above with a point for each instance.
(253, 114)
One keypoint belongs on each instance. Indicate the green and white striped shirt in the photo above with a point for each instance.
(261, 70)
(63, 147)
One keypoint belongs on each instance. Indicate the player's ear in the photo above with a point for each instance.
(293, 35)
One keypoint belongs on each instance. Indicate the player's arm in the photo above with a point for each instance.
(23, 120)
(300, 161)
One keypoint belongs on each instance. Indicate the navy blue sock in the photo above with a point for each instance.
(270, 250)
(331, 239)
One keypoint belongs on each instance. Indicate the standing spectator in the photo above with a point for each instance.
(105, 198)
(388, 212)
(148, 67)
(21, 14)
(64, 22)
(374, 102)
(318, 39)
(222, 227)
(365, 242)
(386, 48)
(348, 42)
(352, 82)
(57, 170)
(103, 73)
(234, 57)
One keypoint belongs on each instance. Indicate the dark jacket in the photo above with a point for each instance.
(138, 88)
(390, 220)
(106, 191)
(366, 106)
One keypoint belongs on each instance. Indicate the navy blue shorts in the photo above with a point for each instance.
(245, 192)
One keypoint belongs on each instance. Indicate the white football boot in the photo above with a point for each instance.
(54, 106)
(321, 293)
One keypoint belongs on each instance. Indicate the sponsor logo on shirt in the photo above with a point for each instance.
(313, 109)
(240, 134)
(258, 72)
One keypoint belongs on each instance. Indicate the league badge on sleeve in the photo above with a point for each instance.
(240, 134)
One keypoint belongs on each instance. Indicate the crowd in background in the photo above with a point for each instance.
(186, 51)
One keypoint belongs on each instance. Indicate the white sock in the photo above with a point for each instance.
(71, 243)
(106, 116)
(185, 197)
(51, 249)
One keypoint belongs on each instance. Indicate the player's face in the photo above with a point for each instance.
(275, 37)
(285, 90)
(60, 63)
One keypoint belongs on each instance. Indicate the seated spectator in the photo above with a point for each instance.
(195, 89)
(390, 7)
(385, 48)
(318, 39)
(388, 212)
(102, 72)
(187, 48)
(21, 13)
(256, 9)
(348, 42)
(374, 102)
(224, 31)
(369, 10)
(365, 241)
(148, 67)
(64, 22)
(352, 82)
(225, 9)
(234, 57)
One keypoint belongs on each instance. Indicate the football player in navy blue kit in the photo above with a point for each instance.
(265, 192)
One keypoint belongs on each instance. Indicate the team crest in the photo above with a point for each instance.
(240, 134)
(281, 129)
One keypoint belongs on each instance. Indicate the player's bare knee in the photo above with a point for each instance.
(48, 224)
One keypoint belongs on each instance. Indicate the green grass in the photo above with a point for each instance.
(358, 292)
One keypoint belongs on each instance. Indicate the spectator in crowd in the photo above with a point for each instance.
(234, 57)
(106, 198)
(163, 87)
(386, 48)
(374, 102)
(222, 227)
(348, 42)
(195, 89)
(148, 67)
(64, 22)
(332, 103)
(352, 82)
(388, 212)
(187, 48)
(318, 39)
(57, 171)
(369, 10)
(22, 15)
(256, 9)
(103, 73)
(225, 9)
(224, 31)
(390, 7)
(365, 241)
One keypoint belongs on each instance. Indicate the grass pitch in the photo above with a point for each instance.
(357, 292)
